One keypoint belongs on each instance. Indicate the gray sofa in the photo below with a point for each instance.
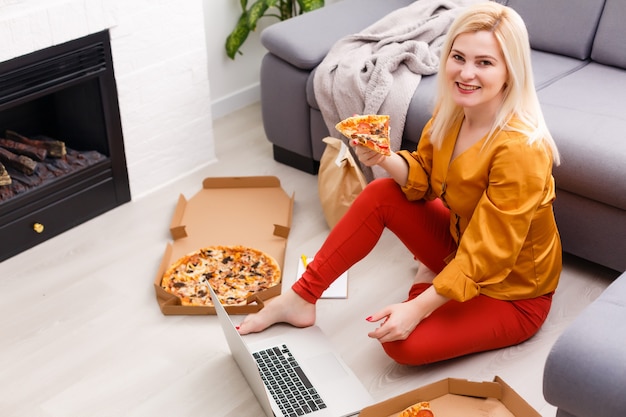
(585, 372)
(579, 61)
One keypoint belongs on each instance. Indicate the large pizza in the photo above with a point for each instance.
(234, 272)
(370, 130)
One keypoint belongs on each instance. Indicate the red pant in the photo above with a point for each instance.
(453, 330)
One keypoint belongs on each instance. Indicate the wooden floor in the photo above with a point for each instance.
(81, 333)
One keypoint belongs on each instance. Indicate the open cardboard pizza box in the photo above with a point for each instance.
(248, 211)
(453, 397)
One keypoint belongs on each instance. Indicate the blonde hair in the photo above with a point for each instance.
(519, 97)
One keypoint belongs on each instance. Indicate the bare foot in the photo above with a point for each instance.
(288, 307)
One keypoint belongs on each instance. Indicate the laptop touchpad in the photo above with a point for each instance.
(325, 367)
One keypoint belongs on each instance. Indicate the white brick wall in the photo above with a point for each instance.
(160, 62)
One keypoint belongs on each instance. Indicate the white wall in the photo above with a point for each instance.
(234, 83)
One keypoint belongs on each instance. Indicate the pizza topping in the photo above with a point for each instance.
(421, 409)
(234, 273)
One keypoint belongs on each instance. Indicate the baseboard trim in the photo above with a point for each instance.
(235, 101)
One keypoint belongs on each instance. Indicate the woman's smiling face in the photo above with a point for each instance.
(476, 71)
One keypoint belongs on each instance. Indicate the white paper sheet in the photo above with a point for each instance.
(338, 289)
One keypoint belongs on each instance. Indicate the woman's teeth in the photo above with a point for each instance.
(467, 87)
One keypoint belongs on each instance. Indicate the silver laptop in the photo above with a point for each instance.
(327, 385)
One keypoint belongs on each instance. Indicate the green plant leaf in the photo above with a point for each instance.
(286, 8)
(308, 5)
(257, 11)
(238, 36)
(283, 10)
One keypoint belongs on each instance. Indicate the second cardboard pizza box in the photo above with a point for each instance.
(454, 397)
(249, 211)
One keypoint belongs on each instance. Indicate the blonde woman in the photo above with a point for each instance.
(473, 204)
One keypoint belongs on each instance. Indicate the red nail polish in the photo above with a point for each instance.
(369, 318)
(237, 327)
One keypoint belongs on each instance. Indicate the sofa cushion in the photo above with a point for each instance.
(548, 67)
(586, 114)
(555, 26)
(304, 41)
(609, 46)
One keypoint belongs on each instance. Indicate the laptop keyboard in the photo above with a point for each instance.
(285, 380)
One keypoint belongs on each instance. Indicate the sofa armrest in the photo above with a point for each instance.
(585, 372)
(303, 41)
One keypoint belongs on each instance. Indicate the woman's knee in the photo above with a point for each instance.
(380, 192)
(404, 353)
(381, 186)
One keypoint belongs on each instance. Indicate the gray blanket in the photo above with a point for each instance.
(377, 70)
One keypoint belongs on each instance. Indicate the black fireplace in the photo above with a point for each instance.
(65, 94)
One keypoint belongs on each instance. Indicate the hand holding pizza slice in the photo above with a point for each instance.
(370, 130)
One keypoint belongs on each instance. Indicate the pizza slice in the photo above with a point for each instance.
(370, 130)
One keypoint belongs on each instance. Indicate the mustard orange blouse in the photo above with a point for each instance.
(500, 198)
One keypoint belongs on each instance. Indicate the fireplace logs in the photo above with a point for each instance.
(26, 162)
(5, 178)
(20, 162)
(54, 148)
(32, 152)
